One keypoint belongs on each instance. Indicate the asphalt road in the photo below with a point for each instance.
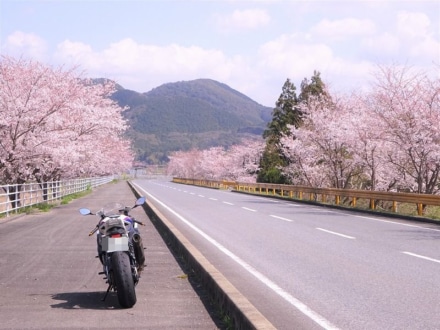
(308, 267)
(49, 275)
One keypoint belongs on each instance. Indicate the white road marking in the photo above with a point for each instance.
(281, 218)
(213, 199)
(396, 223)
(263, 279)
(421, 257)
(334, 233)
(228, 203)
(201, 196)
(248, 209)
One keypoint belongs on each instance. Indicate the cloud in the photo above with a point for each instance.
(411, 37)
(345, 51)
(296, 57)
(292, 54)
(341, 29)
(249, 19)
(383, 44)
(415, 31)
(142, 67)
(25, 44)
(412, 25)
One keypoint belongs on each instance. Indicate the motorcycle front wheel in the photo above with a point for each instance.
(123, 279)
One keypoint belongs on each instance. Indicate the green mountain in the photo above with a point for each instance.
(183, 115)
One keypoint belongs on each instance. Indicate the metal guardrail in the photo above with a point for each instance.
(18, 196)
(324, 195)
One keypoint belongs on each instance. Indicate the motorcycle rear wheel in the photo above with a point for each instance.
(123, 279)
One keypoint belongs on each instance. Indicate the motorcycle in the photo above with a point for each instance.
(120, 249)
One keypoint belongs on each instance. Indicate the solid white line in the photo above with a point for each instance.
(228, 203)
(421, 257)
(281, 218)
(263, 279)
(334, 233)
(245, 208)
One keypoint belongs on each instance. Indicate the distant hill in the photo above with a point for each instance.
(199, 114)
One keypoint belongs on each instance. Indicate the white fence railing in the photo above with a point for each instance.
(14, 197)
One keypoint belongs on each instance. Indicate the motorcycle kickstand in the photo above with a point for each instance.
(108, 290)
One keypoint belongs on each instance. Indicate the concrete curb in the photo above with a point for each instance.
(243, 314)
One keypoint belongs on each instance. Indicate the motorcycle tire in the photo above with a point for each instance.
(123, 279)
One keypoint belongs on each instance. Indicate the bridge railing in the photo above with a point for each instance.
(350, 197)
(14, 197)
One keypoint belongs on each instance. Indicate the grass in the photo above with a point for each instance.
(67, 199)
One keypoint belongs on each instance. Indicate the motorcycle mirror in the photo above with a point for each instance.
(85, 211)
(140, 201)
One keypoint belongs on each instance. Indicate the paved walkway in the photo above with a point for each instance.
(58, 286)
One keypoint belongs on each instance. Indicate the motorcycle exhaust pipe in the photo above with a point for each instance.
(137, 238)
(139, 250)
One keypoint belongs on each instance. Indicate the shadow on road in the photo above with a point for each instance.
(86, 300)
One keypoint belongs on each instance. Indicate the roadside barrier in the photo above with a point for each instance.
(14, 197)
(388, 201)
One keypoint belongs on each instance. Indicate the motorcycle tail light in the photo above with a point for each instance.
(116, 235)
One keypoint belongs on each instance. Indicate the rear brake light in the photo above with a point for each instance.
(116, 235)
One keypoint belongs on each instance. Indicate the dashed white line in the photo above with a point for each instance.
(281, 218)
(228, 203)
(334, 233)
(213, 199)
(201, 196)
(421, 257)
(248, 209)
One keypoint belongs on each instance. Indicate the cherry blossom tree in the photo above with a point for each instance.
(406, 104)
(185, 164)
(238, 163)
(368, 146)
(243, 160)
(386, 139)
(54, 124)
(321, 150)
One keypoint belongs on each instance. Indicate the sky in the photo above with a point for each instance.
(251, 46)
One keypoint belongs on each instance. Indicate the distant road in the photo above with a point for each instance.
(309, 267)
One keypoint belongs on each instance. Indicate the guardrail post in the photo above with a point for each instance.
(372, 204)
(8, 202)
(394, 206)
(419, 208)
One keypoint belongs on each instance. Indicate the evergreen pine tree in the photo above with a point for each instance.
(315, 87)
(285, 113)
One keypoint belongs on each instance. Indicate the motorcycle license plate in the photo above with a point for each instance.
(112, 244)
